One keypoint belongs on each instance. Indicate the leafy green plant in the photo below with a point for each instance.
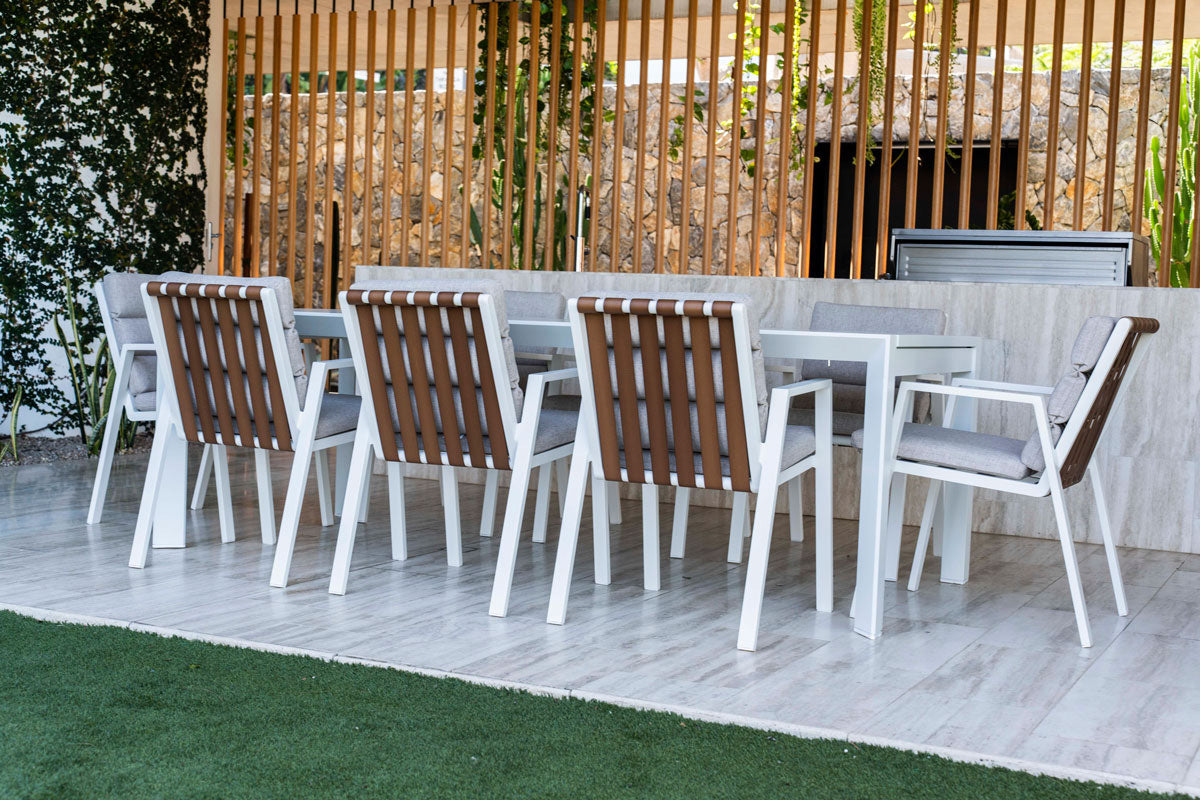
(1176, 269)
(11, 445)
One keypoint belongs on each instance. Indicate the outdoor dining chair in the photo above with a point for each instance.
(232, 374)
(440, 386)
(1069, 420)
(134, 390)
(674, 394)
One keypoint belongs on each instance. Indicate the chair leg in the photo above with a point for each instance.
(738, 525)
(795, 490)
(650, 538)
(561, 468)
(487, 518)
(366, 506)
(205, 472)
(541, 513)
(824, 528)
(614, 503)
(1110, 547)
(927, 517)
(454, 556)
(154, 478)
(760, 551)
(348, 527)
(895, 524)
(679, 521)
(290, 523)
(601, 510)
(510, 531)
(224, 492)
(568, 537)
(324, 488)
(1072, 563)
(108, 447)
(395, 478)
(266, 500)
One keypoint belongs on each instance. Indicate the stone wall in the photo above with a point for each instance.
(430, 195)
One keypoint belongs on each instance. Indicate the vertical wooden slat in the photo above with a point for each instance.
(493, 12)
(664, 129)
(222, 138)
(239, 145)
(330, 128)
(468, 172)
(735, 140)
(706, 405)
(1114, 113)
(552, 134)
(627, 394)
(760, 135)
(993, 196)
(1085, 102)
(573, 151)
(293, 154)
(652, 383)
(1051, 179)
(402, 399)
(835, 142)
(862, 135)
(968, 140)
(1026, 115)
(785, 138)
(710, 146)
(255, 226)
(943, 97)
(689, 102)
(528, 245)
(614, 253)
(1143, 116)
(885, 158)
(439, 358)
(916, 100)
(510, 133)
(410, 49)
(1171, 167)
(639, 166)
(389, 127)
(368, 214)
(448, 130)
(810, 138)
(347, 268)
(427, 138)
(597, 135)
(310, 154)
(677, 386)
(276, 110)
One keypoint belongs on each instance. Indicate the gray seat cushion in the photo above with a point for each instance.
(127, 313)
(339, 413)
(965, 450)
(1085, 353)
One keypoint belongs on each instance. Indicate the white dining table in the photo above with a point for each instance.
(887, 357)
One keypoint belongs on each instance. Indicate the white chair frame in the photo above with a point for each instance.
(1048, 482)
(520, 438)
(302, 432)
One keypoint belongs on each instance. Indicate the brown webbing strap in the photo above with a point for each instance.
(254, 374)
(652, 381)
(627, 395)
(375, 377)
(706, 401)
(467, 394)
(166, 310)
(389, 319)
(418, 375)
(279, 413)
(187, 324)
(606, 420)
(442, 383)
(681, 406)
(735, 421)
(233, 366)
(488, 384)
(212, 348)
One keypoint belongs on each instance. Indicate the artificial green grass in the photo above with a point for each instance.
(107, 712)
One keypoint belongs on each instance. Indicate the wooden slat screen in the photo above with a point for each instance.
(376, 134)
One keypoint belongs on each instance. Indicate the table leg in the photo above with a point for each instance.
(346, 385)
(876, 476)
(170, 513)
(958, 504)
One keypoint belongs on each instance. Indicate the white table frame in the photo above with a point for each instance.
(888, 357)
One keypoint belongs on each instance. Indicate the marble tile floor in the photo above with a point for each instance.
(988, 671)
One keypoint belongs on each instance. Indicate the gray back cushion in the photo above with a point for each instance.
(123, 296)
(482, 286)
(759, 378)
(843, 318)
(1085, 353)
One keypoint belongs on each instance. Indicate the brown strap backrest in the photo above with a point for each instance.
(660, 331)
(409, 337)
(1080, 455)
(222, 364)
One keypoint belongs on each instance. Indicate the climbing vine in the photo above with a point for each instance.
(102, 115)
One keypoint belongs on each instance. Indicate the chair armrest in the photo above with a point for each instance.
(792, 390)
(1034, 399)
(334, 364)
(538, 381)
(139, 347)
(1004, 386)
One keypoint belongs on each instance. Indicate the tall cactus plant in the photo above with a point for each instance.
(1177, 271)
